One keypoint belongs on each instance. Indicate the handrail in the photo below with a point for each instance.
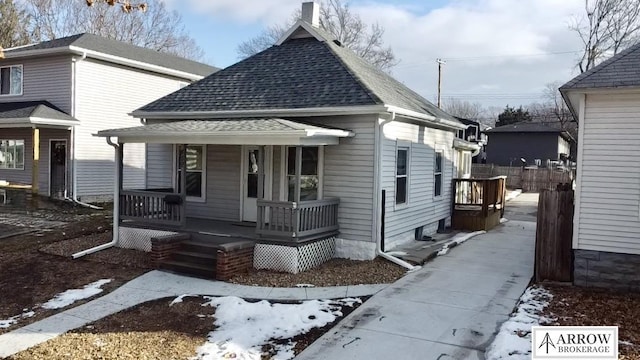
(297, 221)
(154, 207)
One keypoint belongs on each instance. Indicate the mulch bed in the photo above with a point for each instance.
(574, 306)
(152, 330)
(336, 272)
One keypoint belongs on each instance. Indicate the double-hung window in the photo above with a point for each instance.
(402, 181)
(196, 172)
(437, 174)
(12, 154)
(11, 80)
(309, 178)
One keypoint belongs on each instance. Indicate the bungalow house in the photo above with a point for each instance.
(536, 143)
(304, 147)
(606, 227)
(56, 94)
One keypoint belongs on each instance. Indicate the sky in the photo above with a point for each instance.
(497, 52)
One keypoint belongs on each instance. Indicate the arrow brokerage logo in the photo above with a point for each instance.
(574, 342)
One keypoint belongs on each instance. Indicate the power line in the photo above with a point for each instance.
(483, 57)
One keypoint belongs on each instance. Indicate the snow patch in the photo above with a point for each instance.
(513, 341)
(70, 296)
(243, 328)
(457, 240)
(503, 220)
(513, 194)
(305, 285)
(179, 299)
(14, 319)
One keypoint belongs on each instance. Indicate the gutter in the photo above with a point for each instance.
(116, 210)
(424, 117)
(378, 191)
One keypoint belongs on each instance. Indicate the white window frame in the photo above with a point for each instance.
(24, 154)
(176, 166)
(284, 176)
(401, 145)
(21, 80)
(438, 150)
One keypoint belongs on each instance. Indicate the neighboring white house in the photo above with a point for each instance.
(322, 150)
(58, 94)
(606, 235)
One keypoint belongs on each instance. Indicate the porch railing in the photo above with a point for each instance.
(155, 207)
(298, 221)
(478, 204)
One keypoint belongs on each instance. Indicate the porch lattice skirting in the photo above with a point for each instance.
(139, 239)
(293, 259)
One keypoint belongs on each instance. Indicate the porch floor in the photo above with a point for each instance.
(232, 229)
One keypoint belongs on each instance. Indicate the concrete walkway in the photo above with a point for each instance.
(451, 308)
(156, 285)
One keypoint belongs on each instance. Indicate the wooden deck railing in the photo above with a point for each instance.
(154, 207)
(476, 200)
(297, 221)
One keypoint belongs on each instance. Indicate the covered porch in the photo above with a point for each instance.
(270, 180)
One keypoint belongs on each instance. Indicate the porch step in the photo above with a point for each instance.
(181, 267)
(192, 257)
(200, 247)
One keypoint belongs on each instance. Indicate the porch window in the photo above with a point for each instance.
(11, 80)
(309, 179)
(12, 154)
(196, 171)
(402, 161)
(437, 174)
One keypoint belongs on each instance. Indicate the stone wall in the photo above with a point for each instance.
(606, 270)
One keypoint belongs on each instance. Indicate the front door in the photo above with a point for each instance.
(58, 168)
(251, 169)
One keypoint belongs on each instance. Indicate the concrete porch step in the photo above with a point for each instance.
(200, 247)
(195, 257)
(181, 267)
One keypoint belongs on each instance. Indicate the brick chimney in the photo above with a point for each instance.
(311, 13)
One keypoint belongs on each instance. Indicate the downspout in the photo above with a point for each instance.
(74, 165)
(378, 190)
(116, 209)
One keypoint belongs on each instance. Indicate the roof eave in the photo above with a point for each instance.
(424, 117)
(194, 115)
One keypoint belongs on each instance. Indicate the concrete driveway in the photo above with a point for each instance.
(451, 308)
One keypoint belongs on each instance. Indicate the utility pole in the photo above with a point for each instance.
(440, 63)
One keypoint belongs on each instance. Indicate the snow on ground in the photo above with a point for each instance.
(513, 341)
(503, 220)
(513, 194)
(243, 328)
(14, 319)
(70, 296)
(457, 240)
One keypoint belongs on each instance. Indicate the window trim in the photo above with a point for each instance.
(202, 198)
(21, 80)
(284, 177)
(402, 145)
(438, 150)
(24, 155)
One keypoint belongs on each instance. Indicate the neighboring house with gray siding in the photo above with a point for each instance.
(58, 94)
(323, 154)
(606, 234)
(534, 142)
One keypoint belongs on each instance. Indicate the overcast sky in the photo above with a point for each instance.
(497, 52)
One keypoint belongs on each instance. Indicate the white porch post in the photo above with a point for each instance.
(296, 196)
(261, 174)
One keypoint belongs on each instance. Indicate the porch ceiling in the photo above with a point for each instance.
(263, 131)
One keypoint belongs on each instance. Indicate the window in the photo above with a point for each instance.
(437, 174)
(12, 154)
(309, 179)
(196, 171)
(11, 80)
(402, 161)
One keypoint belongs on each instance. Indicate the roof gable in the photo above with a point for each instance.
(91, 42)
(621, 70)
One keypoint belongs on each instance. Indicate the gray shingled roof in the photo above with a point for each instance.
(528, 127)
(621, 70)
(33, 109)
(205, 127)
(121, 49)
(300, 73)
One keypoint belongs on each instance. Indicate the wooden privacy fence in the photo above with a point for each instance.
(529, 180)
(554, 232)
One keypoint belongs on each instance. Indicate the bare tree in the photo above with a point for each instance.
(553, 111)
(607, 27)
(336, 18)
(463, 108)
(156, 28)
(14, 30)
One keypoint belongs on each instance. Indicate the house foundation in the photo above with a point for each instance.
(606, 270)
(293, 258)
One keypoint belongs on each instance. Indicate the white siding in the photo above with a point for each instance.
(348, 175)
(423, 208)
(223, 185)
(44, 79)
(160, 166)
(608, 217)
(106, 93)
